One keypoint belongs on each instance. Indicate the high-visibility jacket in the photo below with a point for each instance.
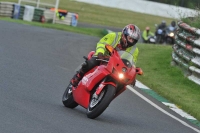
(145, 35)
(113, 39)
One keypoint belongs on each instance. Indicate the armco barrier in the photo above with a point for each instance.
(6, 9)
(186, 51)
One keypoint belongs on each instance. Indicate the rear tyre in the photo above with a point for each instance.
(68, 99)
(99, 103)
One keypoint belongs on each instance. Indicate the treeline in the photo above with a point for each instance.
(194, 4)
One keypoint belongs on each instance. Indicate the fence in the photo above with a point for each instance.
(30, 13)
(186, 51)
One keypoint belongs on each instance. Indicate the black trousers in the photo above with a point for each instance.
(89, 64)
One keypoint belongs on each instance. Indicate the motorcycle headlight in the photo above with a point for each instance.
(121, 75)
(171, 34)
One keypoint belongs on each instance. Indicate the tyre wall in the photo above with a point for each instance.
(30, 13)
(186, 51)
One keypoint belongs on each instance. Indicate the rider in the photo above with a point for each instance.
(125, 40)
(161, 26)
(146, 33)
(173, 25)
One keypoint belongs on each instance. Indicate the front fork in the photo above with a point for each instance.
(102, 85)
(109, 81)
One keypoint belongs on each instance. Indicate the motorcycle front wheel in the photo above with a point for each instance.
(68, 99)
(169, 40)
(99, 103)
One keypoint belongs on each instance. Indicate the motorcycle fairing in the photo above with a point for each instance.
(88, 82)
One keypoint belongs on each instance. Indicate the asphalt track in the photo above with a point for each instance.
(36, 65)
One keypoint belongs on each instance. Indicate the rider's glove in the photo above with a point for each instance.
(100, 55)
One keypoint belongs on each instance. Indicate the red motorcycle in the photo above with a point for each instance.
(103, 83)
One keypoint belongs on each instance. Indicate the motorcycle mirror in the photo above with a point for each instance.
(109, 48)
(139, 71)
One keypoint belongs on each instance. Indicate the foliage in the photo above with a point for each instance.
(192, 21)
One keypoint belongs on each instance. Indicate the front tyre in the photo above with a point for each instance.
(99, 103)
(68, 99)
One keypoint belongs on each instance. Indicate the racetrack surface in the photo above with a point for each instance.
(36, 65)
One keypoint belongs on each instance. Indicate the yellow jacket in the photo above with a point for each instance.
(145, 35)
(113, 39)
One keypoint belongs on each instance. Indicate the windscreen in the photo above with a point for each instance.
(127, 58)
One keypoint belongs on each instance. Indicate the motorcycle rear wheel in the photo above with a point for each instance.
(99, 103)
(68, 99)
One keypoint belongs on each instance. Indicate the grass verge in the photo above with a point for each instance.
(167, 80)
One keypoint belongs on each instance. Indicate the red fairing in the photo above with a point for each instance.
(82, 92)
(97, 78)
(91, 54)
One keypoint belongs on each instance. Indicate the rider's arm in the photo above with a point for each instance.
(135, 55)
(144, 35)
(107, 39)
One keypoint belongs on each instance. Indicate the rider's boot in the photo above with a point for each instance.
(77, 78)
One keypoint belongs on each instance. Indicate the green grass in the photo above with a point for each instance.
(167, 80)
(159, 75)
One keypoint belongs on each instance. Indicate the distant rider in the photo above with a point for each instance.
(146, 34)
(172, 26)
(161, 26)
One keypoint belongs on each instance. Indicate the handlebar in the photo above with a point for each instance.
(103, 60)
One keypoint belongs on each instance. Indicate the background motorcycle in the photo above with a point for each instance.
(151, 39)
(160, 36)
(170, 35)
(102, 84)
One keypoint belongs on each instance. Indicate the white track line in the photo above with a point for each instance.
(162, 110)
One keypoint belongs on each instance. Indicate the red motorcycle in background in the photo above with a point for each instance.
(103, 83)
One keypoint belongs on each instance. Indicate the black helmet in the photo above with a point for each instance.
(173, 23)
